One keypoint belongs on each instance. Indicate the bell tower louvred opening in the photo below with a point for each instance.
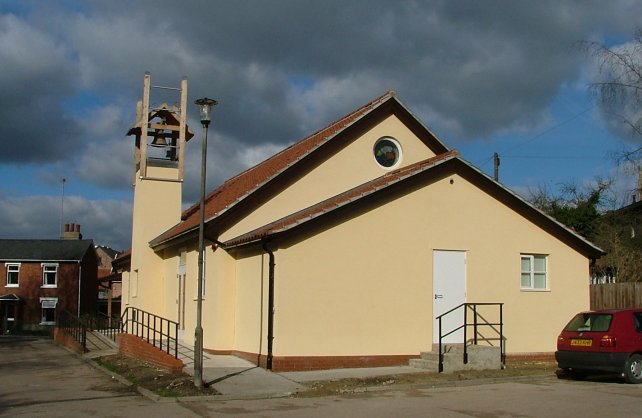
(161, 132)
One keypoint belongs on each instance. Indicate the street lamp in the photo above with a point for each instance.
(205, 108)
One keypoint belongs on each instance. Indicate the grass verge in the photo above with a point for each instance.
(152, 378)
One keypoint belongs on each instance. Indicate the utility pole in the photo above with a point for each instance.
(62, 205)
(496, 166)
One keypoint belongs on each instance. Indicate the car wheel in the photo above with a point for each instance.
(633, 369)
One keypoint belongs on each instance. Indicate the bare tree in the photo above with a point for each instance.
(620, 89)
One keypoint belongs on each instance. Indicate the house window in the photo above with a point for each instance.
(49, 275)
(48, 311)
(13, 271)
(534, 272)
(387, 152)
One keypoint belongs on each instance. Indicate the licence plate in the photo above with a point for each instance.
(581, 342)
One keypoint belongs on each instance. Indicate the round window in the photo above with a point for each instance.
(387, 152)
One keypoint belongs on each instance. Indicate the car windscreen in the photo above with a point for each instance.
(599, 322)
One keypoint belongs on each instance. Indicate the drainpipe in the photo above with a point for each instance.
(270, 330)
(79, 286)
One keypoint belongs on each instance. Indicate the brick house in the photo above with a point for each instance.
(41, 278)
(109, 282)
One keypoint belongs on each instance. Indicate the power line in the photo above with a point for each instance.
(540, 134)
(552, 128)
(556, 157)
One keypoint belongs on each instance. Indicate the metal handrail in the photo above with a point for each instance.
(466, 307)
(107, 326)
(73, 326)
(156, 330)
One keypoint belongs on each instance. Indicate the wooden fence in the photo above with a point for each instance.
(616, 295)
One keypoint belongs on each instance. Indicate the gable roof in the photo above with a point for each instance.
(240, 187)
(25, 250)
(340, 200)
(449, 161)
(122, 261)
(110, 252)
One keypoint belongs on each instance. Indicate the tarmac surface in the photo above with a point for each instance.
(235, 378)
(41, 379)
(232, 377)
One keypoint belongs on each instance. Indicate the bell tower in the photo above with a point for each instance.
(160, 133)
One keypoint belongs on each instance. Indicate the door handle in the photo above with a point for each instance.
(438, 296)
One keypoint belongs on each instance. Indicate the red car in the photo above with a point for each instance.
(608, 340)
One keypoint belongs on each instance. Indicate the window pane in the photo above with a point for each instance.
(49, 303)
(526, 264)
(526, 280)
(590, 322)
(637, 319)
(48, 315)
(540, 264)
(49, 275)
(12, 274)
(540, 281)
(386, 153)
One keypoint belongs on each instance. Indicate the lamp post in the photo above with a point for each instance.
(205, 109)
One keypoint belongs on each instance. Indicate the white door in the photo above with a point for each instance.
(181, 301)
(449, 291)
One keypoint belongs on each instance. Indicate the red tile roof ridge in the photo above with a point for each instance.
(282, 159)
(390, 93)
(342, 199)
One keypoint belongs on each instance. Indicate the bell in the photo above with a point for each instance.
(159, 138)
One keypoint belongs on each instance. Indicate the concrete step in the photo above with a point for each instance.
(185, 352)
(421, 363)
(98, 342)
(479, 358)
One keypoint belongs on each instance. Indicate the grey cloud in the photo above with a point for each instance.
(36, 79)
(106, 222)
(280, 69)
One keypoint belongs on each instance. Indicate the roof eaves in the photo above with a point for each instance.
(334, 129)
(365, 110)
(533, 207)
(281, 226)
(338, 201)
(420, 122)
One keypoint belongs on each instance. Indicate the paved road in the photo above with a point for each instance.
(546, 397)
(38, 379)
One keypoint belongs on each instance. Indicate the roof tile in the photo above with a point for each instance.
(342, 199)
(242, 185)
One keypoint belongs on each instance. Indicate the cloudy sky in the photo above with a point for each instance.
(485, 76)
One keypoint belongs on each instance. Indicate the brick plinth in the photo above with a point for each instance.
(529, 357)
(304, 363)
(133, 346)
(62, 337)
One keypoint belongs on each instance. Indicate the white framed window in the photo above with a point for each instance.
(387, 152)
(48, 306)
(534, 272)
(13, 274)
(49, 275)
